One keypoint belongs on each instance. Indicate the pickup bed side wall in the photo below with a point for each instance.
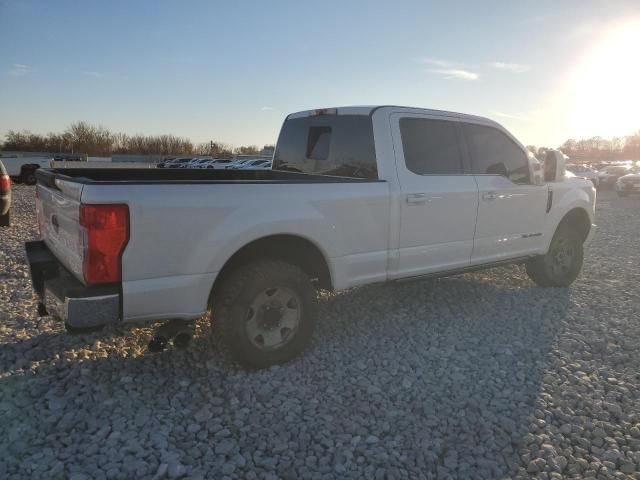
(182, 235)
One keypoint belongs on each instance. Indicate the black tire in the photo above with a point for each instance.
(562, 263)
(5, 220)
(237, 312)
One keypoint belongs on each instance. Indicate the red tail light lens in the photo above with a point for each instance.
(5, 183)
(106, 235)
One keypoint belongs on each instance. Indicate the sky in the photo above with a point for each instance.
(231, 71)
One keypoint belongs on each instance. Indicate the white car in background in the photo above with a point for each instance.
(628, 184)
(585, 172)
(217, 164)
(180, 162)
(239, 163)
(198, 162)
(257, 165)
(610, 174)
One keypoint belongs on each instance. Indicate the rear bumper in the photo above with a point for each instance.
(65, 297)
(5, 203)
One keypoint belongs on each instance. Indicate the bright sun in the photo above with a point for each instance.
(606, 85)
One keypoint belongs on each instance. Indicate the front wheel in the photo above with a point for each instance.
(266, 312)
(5, 220)
(562, 263)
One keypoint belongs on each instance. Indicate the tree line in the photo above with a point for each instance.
(598, 148)
(97, 141)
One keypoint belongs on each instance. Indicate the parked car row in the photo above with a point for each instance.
(217, 164)
(620, 176)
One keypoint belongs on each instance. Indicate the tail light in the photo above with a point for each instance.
(5, 183)
(106, 234)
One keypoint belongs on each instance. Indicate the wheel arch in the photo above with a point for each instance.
(290, 248)
(577, 218)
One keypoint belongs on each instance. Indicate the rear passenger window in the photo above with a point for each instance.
(430, 146)
(493, 153)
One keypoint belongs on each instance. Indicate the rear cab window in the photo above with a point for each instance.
(336, 145)
(431, 146)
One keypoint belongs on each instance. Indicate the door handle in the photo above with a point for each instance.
(417, 199)
(489, 196)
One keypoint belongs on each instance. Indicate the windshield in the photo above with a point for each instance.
(337, 145)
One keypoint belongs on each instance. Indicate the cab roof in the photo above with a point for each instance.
(370, 109)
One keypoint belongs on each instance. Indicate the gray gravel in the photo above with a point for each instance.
(475, 376)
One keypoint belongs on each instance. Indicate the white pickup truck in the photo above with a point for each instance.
(357, 195)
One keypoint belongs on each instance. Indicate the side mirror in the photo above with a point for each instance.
(554, 166)
(535, 170)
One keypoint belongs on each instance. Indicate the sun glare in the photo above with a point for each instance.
(606, 86)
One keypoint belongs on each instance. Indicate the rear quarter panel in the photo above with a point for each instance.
(182, 235)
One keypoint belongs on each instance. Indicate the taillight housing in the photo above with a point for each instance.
(5, 183)
(106, 234)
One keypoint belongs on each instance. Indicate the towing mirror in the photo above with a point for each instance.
(554, 166)
(535, 170)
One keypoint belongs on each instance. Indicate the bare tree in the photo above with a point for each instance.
(83, 137)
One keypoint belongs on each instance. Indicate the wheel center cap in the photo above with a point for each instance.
(271, 317)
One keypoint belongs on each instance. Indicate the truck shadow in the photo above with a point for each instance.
(441, 375)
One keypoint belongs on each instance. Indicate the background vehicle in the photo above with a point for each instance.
(257, 165)
(220, 163)
(585, 172)
(350, 196)
(628, 184)
(179, 162)
(23, 169)
(165, 162)
(610, 174)
(5, 197)
(238, 163)
(198, 163)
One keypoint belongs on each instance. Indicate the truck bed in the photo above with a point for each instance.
(119, 176)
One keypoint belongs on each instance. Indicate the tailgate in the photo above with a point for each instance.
(58, 209)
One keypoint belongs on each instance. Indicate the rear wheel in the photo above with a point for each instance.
(562, 263)
(5, 220)
(266, 312)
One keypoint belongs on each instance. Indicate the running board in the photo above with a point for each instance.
(471, 268)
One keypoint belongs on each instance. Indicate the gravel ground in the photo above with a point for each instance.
(475, 376)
